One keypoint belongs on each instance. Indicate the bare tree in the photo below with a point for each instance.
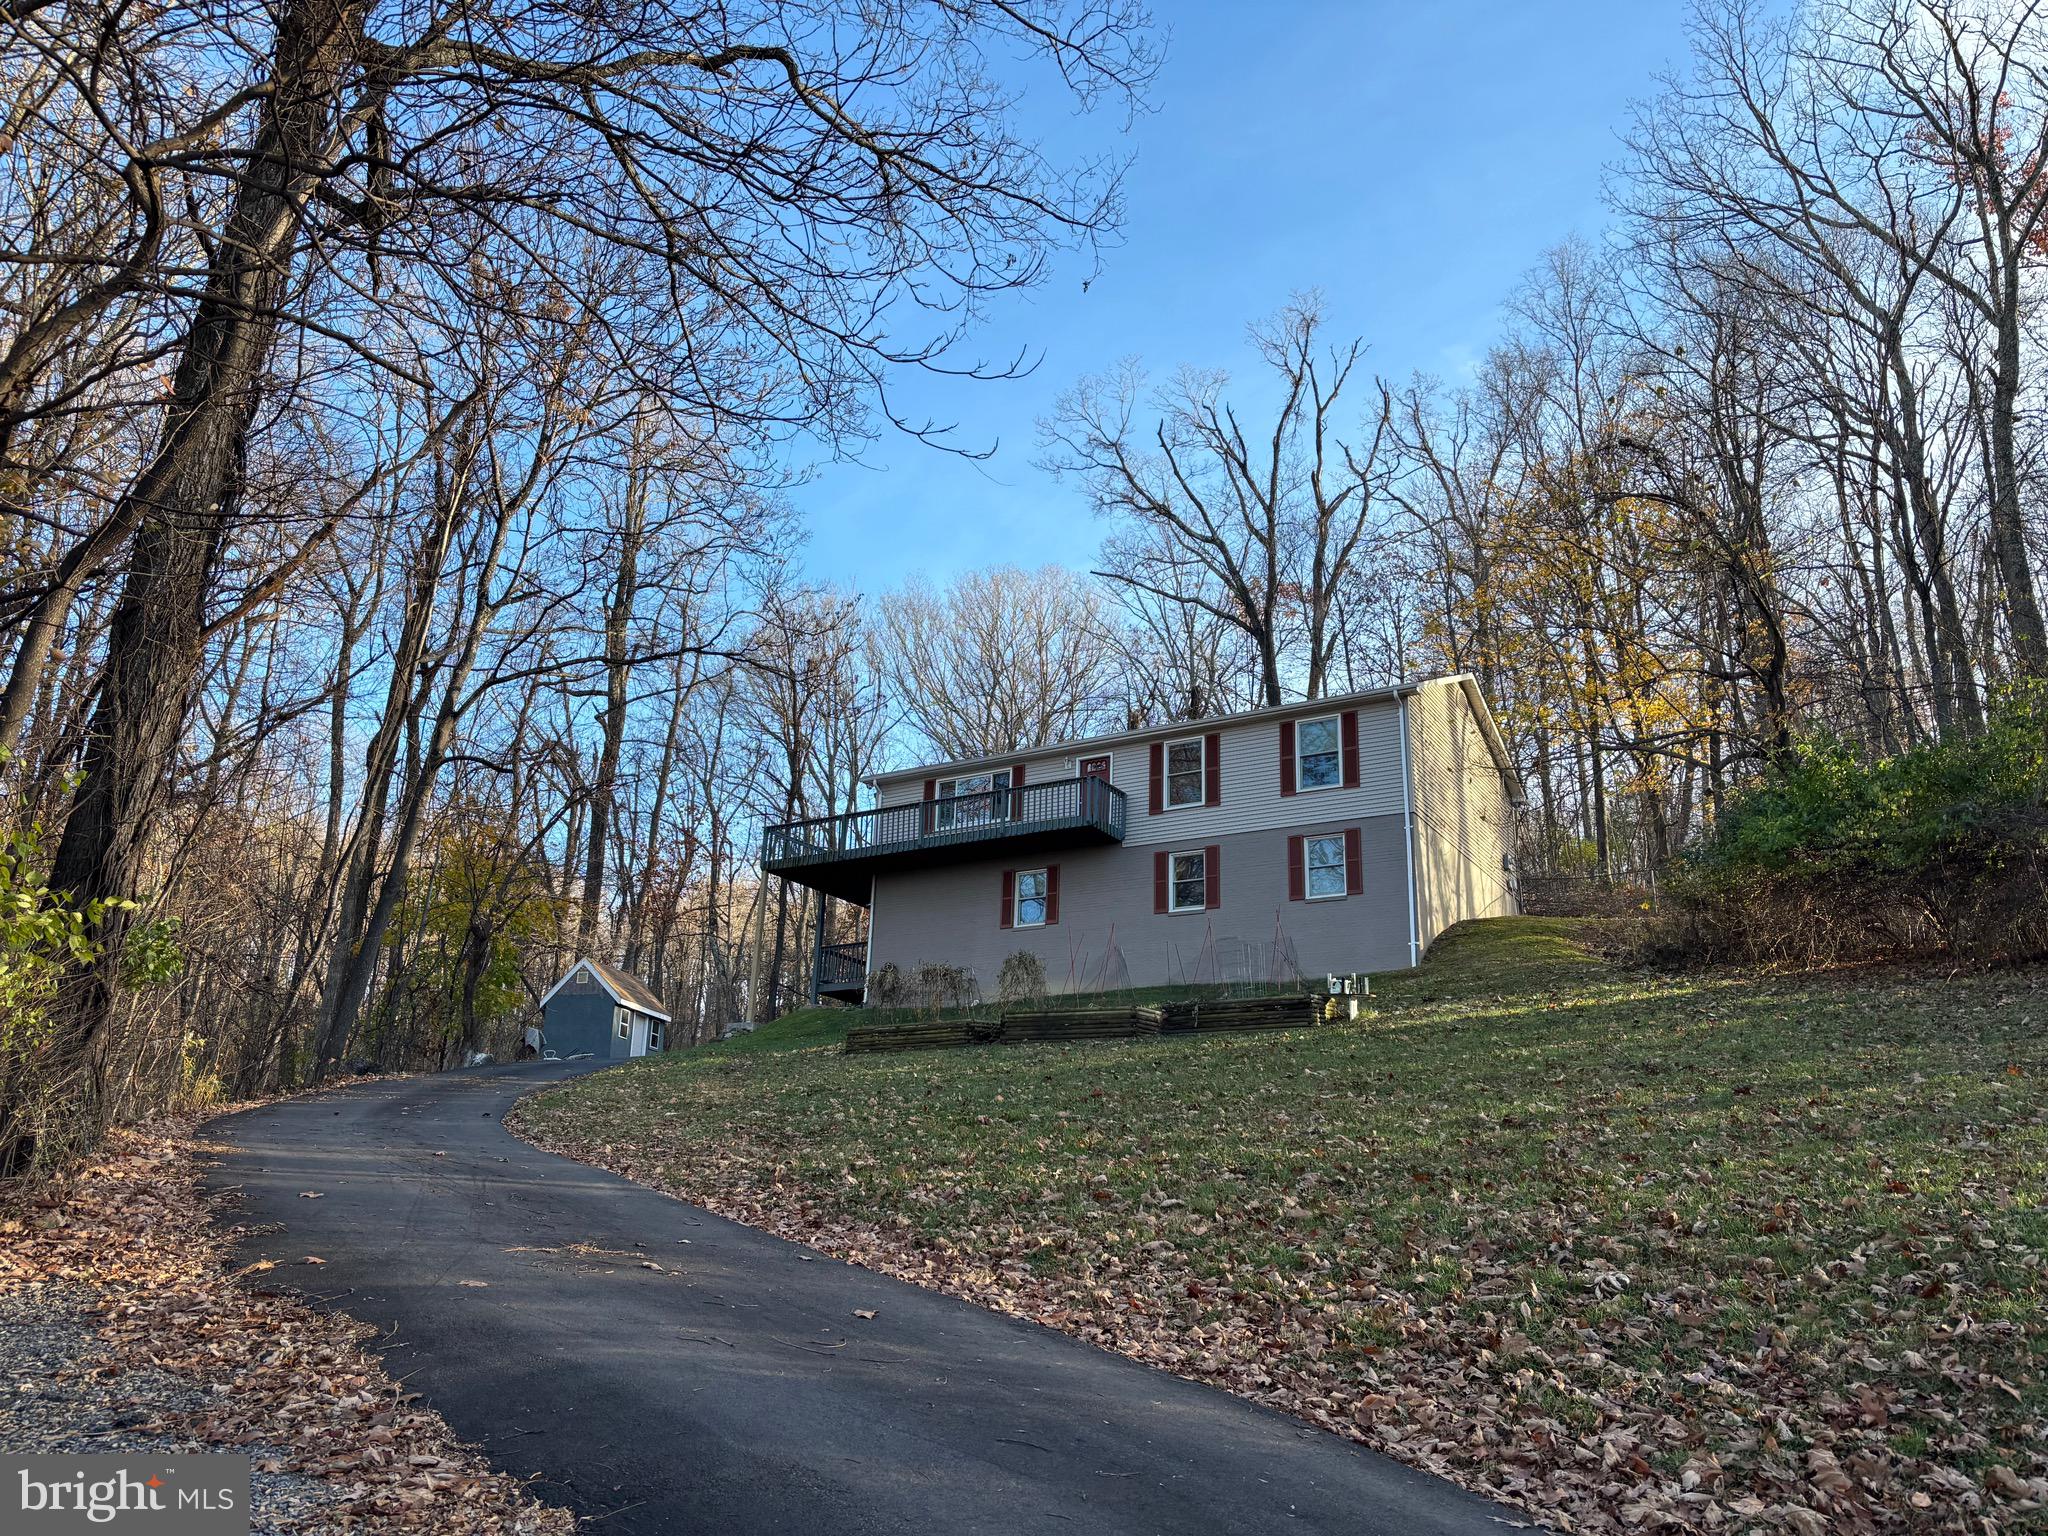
(1266, 524)
(996, 660)
(382, 159)
(1918, 127)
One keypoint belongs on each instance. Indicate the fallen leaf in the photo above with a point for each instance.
(862, 1312)
(2004, 1481)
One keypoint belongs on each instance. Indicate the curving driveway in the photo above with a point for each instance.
(662, 1369)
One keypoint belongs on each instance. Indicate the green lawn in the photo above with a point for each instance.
(1708, 1251)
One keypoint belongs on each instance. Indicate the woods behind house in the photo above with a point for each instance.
(404, 587)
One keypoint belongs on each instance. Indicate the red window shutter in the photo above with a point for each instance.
(931, 789)
(1159, 873)
(928, 816)
(1347, 730)
(1158, 777)
(1052, 894)
(1016, 792)
(1354, 862)
(1212, 768)
(1286, 757)
(1017, 774)
(1212, 870)
(1297, 875)
(1009, 898)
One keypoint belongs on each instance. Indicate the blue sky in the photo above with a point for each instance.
(1412, 161)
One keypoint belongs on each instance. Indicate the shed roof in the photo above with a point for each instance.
(625, 988)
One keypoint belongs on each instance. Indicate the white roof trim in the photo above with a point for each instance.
(598, 976)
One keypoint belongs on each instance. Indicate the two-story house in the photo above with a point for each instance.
(1334, 836)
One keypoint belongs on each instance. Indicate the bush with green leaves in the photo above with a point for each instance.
(43, 935)
(1831, 857)
(50, 1107)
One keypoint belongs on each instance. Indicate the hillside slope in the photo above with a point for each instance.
(1707, 1249)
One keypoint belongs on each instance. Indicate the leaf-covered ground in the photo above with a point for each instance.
(1632, 1250)
(131, 1233)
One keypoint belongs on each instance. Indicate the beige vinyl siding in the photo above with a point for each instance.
(1250, 769)
(1252, 801)
(952, 914)
(1464, 819)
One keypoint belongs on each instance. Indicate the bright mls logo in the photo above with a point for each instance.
(161, 1495)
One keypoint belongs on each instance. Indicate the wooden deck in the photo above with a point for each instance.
(841, 855)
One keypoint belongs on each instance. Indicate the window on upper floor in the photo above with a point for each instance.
(1184, 785)
(1325, 860)
(972, 799)
(1319, 753)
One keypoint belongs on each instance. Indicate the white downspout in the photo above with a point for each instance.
(1408, 836)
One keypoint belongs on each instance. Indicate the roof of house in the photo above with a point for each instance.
(1466, 680)
(626, 988)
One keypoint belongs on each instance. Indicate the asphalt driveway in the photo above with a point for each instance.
(662, 1369)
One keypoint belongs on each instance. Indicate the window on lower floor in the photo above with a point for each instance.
(1031, 898)
(1189, 888)
(625, 1024)
(1325, 866)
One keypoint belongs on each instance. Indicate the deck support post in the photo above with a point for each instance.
(818, 947)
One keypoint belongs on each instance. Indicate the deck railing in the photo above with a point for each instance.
(841, 966)
(1089, 803)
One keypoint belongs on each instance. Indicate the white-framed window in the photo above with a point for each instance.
(1187, 886)
(1318, 754)
(1031, 889)
(1184, 782)
(971, 799)
(625, 1020)
(1325, 861)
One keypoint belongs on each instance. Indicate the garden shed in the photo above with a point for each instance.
(597, 1009)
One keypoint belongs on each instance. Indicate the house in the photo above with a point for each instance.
(1340, 835)
(600, 1010)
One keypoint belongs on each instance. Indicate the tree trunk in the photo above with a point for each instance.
(618, 673)
(187, 495)
(2008, 522)
(775, 964)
